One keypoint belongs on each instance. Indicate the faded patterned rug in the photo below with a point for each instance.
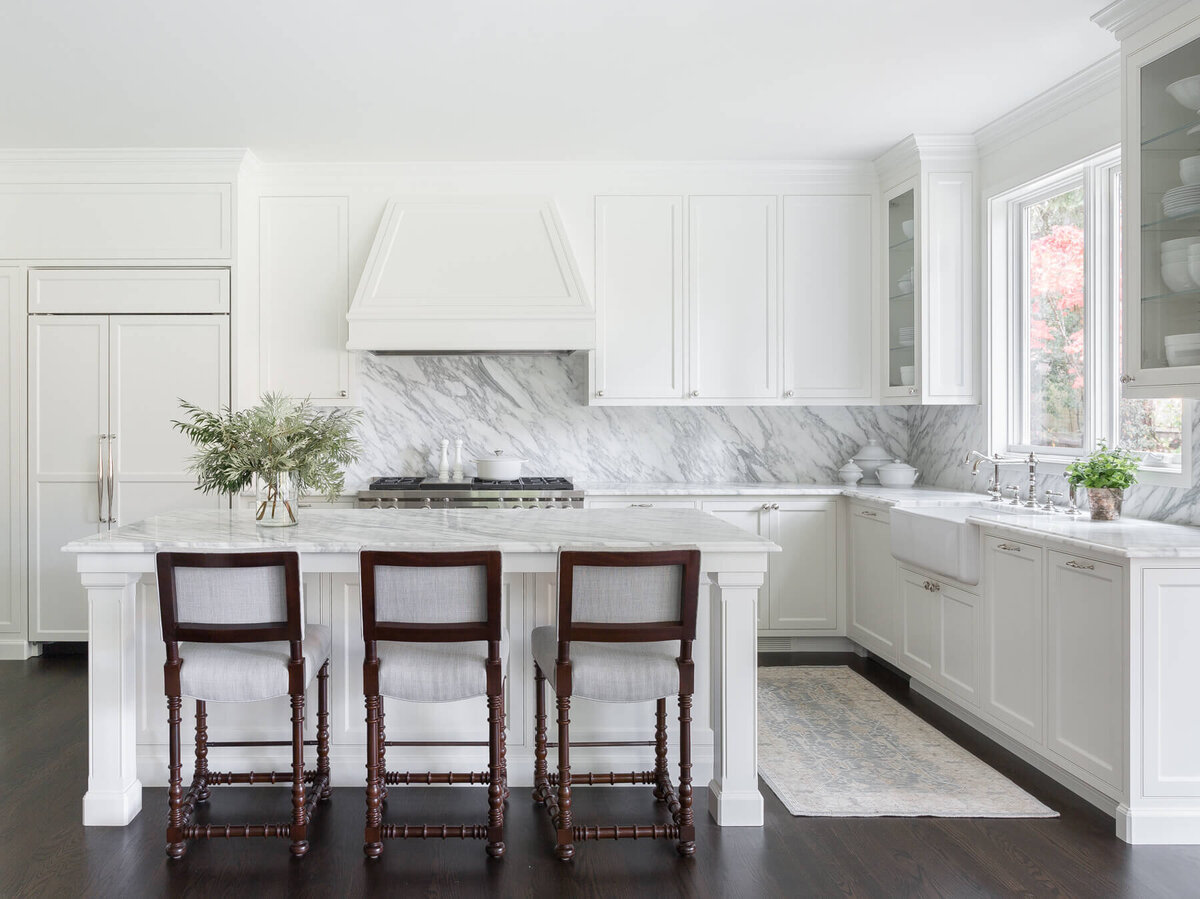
(830, 744)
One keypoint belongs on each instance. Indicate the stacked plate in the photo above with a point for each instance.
(1183, 349)
(1177, 257)
(1183, 200)
(906, 336)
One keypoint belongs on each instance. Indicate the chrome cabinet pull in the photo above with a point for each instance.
(1009, 548)
(112, 476)
(1125, 379)
(868, 514)
(932, 586)
(100, 478)
(641, 505)
(599, 393)
(789, 394)
(695, 393)
(1082, 566)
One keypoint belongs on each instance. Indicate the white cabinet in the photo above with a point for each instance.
(930, 284)
(304, 292)
(732, 246)
(871, 619)
(1013, 579)
(12, 525)
(802, 586)
(941, 634)
(639, 298)
(103, 391)
(1086, 664)
(918, 625)
(828, 255)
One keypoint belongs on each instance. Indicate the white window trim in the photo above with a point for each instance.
(1003, 279)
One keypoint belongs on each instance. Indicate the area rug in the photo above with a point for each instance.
(830, 744)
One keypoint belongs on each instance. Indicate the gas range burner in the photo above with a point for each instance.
(524, 484)
(415, 483)
(478, 493)
(396, 483)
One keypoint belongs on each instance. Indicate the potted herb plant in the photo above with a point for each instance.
(287, 444)
(1105, 473)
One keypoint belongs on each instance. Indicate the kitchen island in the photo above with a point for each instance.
(127, 712)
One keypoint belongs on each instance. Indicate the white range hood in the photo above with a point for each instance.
(471, 274)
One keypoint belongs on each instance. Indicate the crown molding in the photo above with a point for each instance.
(1101, 78)
(1126, 17)
(801, 168)
(905, 158)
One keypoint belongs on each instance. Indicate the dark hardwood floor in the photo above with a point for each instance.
(44, 851)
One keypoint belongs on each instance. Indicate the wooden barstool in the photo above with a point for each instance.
(616, 610)
(235, 632)
(433, 633)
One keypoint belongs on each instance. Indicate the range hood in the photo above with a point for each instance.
(471, 274)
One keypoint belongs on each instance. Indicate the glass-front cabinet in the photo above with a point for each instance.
(1162, 218)
(901, 314)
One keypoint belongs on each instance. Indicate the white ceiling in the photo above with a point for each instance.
(528, 79)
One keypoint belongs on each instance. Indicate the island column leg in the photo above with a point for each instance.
(114, 793)
(733, 796)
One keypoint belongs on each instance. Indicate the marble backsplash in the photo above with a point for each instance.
(536, 407)
(940, 436)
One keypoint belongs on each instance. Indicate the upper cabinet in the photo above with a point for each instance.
(760, 299)
(1161, 156)
(931, 307)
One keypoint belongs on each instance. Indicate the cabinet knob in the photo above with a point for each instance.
(695, 393)
(789, 394)
(343, 393)
(599, 393)
(912, 391)
(775, 505)
(766, 507)
(1125, 379)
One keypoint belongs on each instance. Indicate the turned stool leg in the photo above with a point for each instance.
(687, 828)
(662, 773)
(495, 845)
(323, 730)
(504, 738)
(565, 845)
(541, 783)
(299, 829)
(373, 843)
(383, 790)
(175, 842)
(202, 750)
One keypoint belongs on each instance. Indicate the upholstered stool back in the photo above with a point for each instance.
(431, 596)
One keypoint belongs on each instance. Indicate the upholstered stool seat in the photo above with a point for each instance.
(612, 672)
(248, 672)
(435, 672)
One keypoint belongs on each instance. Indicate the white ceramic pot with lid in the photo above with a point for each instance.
(499, 467)
(869, 458)
(850, 474)
(896, 474)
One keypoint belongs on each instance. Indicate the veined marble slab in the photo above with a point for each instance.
(913, 496)
(1129, 538)
(349, 530)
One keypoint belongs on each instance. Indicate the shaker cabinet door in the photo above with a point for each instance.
(734, 297)
(639, 298)
(1015, 610)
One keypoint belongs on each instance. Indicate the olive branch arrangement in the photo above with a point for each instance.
(280, 437)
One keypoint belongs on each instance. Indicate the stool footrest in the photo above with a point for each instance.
(392, 778)
(590, 779)
(224, 831)
(595, 743)
(218, 778)
(434, 831)
(627, 832)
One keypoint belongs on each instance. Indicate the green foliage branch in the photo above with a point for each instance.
(1115, 468)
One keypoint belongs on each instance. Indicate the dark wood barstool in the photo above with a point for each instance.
(235, 632)
(616, 612)
(433, 633)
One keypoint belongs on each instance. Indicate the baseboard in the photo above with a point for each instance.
(805, 644)
(18, 650)
(1086, 791)
(1159, 827)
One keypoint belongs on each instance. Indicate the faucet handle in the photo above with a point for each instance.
(1048, 505)
(1016, 493)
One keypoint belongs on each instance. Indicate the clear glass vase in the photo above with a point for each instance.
(278, 503)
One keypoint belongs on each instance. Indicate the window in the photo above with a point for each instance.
(1055, 324)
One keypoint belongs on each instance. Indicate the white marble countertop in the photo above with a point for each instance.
(349, 530)
(921, 496)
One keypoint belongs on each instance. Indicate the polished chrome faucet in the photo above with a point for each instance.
(996, 460)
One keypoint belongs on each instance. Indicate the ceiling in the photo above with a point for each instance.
(384, 80)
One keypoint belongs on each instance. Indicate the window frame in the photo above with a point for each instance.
(1100, 177)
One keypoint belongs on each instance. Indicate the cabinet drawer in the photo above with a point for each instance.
(871, 513)
(170, 290)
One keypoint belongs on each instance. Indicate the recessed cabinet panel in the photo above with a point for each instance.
(872, 575)
(958, 652)
(1013, 576)
(734, 299)
(1086, 636)
(919, 637)
(804, 583)
(828, 260)
(304, 293)
(639, 298)
(11, 510)
(948, 281)
(90, 290)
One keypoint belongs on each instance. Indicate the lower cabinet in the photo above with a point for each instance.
(871, 576)
(940, 639)
(1085, 637)
(802, 586)
(1013, 578)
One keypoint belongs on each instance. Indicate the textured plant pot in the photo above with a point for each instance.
(1105, 503)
